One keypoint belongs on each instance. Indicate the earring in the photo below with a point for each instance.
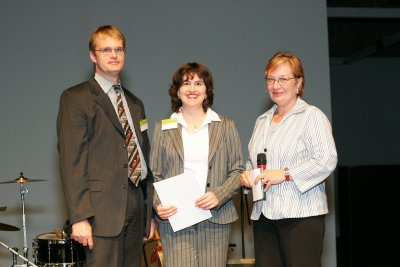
(297, 91)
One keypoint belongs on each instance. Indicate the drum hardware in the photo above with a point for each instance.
(51, 250)
(15, 253)
(59, 234)
(7, 227)
(21, 180)
(14, 256)
(23, 191)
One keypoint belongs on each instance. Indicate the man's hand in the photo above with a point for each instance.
(153, 226)
(82, 233)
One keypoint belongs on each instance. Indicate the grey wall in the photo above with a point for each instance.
(44, 48)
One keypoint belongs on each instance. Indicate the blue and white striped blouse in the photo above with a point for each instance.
(303, 142)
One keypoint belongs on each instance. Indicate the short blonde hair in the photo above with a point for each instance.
(294, 63)
(105, 30)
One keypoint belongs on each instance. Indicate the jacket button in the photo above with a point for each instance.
(125, 146)
(126, 165)
(208, 184)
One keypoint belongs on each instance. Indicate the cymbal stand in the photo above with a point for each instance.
(24, 191)
(27, 262)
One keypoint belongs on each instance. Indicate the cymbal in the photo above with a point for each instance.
(21, 179)
(7, 227)
(3, 208)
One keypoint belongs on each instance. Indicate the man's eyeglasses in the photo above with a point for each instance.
(108, 50)
(281, 80)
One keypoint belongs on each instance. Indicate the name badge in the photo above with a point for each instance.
(144, 125)
(168, 124)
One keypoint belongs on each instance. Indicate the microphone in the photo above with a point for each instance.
(262, 161)
(262, 164)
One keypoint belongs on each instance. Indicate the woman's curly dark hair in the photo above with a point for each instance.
(188, 71)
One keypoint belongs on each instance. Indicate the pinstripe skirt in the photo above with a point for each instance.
(201, 245)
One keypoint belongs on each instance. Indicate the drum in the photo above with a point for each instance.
(50, 250)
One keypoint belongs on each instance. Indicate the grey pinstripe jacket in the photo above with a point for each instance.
(225, 163)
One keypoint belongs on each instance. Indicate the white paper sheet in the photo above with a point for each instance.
(181, 191)
(257, 189)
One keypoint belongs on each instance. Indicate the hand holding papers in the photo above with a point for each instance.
(181, 191)
(257, 189)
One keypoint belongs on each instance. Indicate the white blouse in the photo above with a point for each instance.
(196, 146)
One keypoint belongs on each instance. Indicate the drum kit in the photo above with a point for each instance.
(53, 249)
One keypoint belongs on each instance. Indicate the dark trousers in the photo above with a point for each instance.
(124, 250)
(293, 242)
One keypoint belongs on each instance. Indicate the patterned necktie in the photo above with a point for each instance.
(134, 170)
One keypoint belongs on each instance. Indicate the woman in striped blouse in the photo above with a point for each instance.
(296, 137)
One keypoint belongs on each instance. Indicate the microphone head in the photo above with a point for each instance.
(261, 159)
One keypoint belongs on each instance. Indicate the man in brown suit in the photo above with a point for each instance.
(108, 212)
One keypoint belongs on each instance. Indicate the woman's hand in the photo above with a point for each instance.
(164, 212)
(207, 201)
(245, 179)
(270, 177)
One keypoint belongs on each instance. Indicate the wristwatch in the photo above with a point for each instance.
(286, 173)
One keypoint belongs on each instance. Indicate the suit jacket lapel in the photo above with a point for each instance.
(105, 103)
(215, 135)
(176, 136)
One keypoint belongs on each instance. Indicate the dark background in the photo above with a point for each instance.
(364, 51)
